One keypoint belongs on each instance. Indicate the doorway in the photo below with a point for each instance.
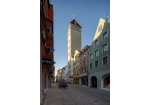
(94, 81)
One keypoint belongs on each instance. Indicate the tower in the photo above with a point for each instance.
(74, 38)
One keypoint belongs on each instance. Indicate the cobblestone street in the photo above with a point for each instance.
(76, 95)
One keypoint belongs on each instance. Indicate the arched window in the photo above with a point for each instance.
(106, 81)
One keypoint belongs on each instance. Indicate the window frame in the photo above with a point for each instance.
(90, 57)
(90, 66)
(83, 62)
(83, 55)
(105, 48)
(80, 57)
(80, 64)
(50, 50)
(103, 35)
(95, 63)
(95, 42)
(47, 30)
(85, 69)
(102, 60)
(95, 52)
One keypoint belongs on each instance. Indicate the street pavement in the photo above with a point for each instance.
(76, 95)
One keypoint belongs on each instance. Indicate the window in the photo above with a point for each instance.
(84, 69)
(48, 50)
(78, 27)
(96, 53)
(83, 55)
(81, 64)
(100, 28)
(76, 81)
(84, 62)
(105, 61)
(105, 35)
(96, 42)
(48, 30)
(96, 63)
(105, 47)
(91, 56)
(91, 66)
(80, 57)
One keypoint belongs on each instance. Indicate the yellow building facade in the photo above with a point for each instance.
(76, 79)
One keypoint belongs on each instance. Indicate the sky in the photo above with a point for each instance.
(87, 14)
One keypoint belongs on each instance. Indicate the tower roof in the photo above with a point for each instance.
(73, 22)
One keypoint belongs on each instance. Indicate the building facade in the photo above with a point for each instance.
(83, 66)
(58, 75)
(65, 74)
(61, 73)
(76, 79)
(99, 57)
(46, 47)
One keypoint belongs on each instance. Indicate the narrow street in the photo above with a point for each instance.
(76, 95)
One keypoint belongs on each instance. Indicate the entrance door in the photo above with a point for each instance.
(94, 81)
(83, 81)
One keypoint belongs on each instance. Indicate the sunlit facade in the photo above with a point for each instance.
(76, 79)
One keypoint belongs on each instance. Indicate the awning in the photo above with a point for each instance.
(47, 61)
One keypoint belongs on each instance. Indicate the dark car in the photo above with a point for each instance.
(63, 85)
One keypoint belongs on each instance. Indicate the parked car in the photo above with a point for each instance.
(63, 85)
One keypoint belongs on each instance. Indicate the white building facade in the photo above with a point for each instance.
(65, 74)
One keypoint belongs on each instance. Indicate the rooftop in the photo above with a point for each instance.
(73, 22)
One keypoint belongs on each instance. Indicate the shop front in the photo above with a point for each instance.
(83, 79)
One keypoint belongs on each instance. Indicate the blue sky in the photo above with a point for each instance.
(87, 13)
